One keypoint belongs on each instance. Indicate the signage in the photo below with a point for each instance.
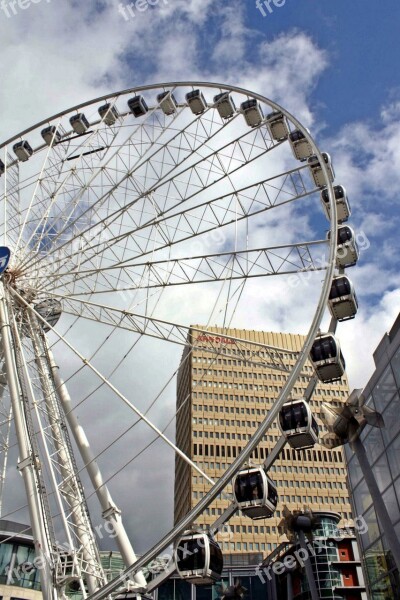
(217, 340)
(4, 258)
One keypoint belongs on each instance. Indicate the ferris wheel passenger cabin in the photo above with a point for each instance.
(298, 425)
(108, 114)
(79, 123)
(343, 304)
(225, 105)
(196, 102)
(198, 558)
(22, 150)
(252, 112)
(301, 147)
(138, 106)
(327, 358)
(277, 126)
(50, 310)
(167, 102)
(50, 135)
(255, 493)
(2, 168)
(347, 250)
(342, 203)
(317, 173)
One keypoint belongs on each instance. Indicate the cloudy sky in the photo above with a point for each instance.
(333, 65)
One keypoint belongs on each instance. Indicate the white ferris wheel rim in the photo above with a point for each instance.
(329, 272)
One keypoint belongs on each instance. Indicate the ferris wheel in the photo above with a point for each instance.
(125, 220)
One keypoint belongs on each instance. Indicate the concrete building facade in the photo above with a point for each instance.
(382, 448)
(221, 399)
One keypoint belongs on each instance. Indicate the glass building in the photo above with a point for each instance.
(335, 561)
(383, 451)
(19, 579)
(238, 569)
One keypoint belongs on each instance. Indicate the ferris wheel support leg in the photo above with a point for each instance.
(5, 458)
(26, 463)
(70, 487)
(111, 513)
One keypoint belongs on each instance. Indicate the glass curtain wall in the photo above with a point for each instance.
(383, 451)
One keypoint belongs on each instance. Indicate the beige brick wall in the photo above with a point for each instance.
(221, 401)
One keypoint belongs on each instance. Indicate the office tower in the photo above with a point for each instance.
(382, 447)
(221, 399)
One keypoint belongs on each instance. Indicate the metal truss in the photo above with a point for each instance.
(131, 211)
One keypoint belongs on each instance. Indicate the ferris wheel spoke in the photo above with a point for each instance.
(11, 206)
(124, 399)
(71, 170)
(195, 178)
(239, 265)
(199, 220)
(38, 208)
(268, 356)
(207, 216)
(142, 138)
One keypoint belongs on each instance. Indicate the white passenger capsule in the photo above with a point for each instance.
(108, 114)
(347, 250)
(50, 310)
(23, 150)
(138, 106)
(198, 558)
(301, 147)
(316, 171)
(196, 102)
(255, 493)
(343, 304)
(342, 203)
(79, 123)
(167, 102)
(225, 105)
(252, 112)
(50, 135)
(277, 126)
(298, 425)
(327, 358)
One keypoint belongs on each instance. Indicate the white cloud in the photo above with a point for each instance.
(367, 157)
(55, 55)
(361, 336)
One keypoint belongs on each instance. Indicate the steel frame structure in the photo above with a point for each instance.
(86, 222)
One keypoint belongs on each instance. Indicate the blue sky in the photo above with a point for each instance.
(333, 64)
(362, 40)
